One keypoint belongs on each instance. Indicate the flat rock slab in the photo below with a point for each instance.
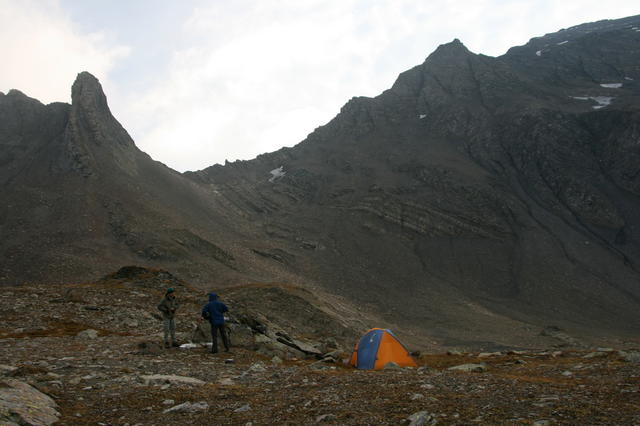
(163, 379)
(22, 404)
(477, 368)
(188, 407)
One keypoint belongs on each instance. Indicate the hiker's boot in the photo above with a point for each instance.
(175, 344)
(167, 345)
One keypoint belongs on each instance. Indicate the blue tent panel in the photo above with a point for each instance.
(368, 349)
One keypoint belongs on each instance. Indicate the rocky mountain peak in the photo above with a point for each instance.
(87, 93)
(16, 93)
(449, 51)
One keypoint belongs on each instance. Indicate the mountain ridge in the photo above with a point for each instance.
(476, 199)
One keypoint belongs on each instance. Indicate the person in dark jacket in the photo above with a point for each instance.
(214, 312)
(168, 307)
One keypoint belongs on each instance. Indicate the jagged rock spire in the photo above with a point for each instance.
(87, 93)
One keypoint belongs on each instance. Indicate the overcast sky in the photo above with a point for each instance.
(196, 82)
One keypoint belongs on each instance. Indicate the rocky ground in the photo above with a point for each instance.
(91, 354)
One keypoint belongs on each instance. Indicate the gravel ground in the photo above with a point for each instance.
(102, 379)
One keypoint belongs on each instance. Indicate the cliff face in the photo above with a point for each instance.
(475, 198)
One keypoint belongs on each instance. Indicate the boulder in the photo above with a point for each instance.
(269, 347)
(239, 334)
(22, 404)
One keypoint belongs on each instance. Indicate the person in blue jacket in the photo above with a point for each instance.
(214, 312)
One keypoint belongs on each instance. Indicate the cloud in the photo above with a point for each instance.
(42, 52)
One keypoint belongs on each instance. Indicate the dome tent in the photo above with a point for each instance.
(378, 347)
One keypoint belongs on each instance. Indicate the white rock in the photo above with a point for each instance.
(189, 346)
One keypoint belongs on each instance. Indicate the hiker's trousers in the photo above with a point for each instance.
(169, 330)
(214, 337)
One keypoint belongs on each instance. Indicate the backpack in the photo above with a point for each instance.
(206, 315)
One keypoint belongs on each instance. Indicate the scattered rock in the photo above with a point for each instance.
(7, 370)
(168, 402)
(245, 407)
(227, 382)
(22, 404)
(188, 407)
(326, 418)
(417, 396)
(161, 379)
(596, 355)
(422, 418)
(258, 367)
(88, 334)
(276, 360)
(453, 353)
(632, 356)
(476, 368)
(567, 373)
